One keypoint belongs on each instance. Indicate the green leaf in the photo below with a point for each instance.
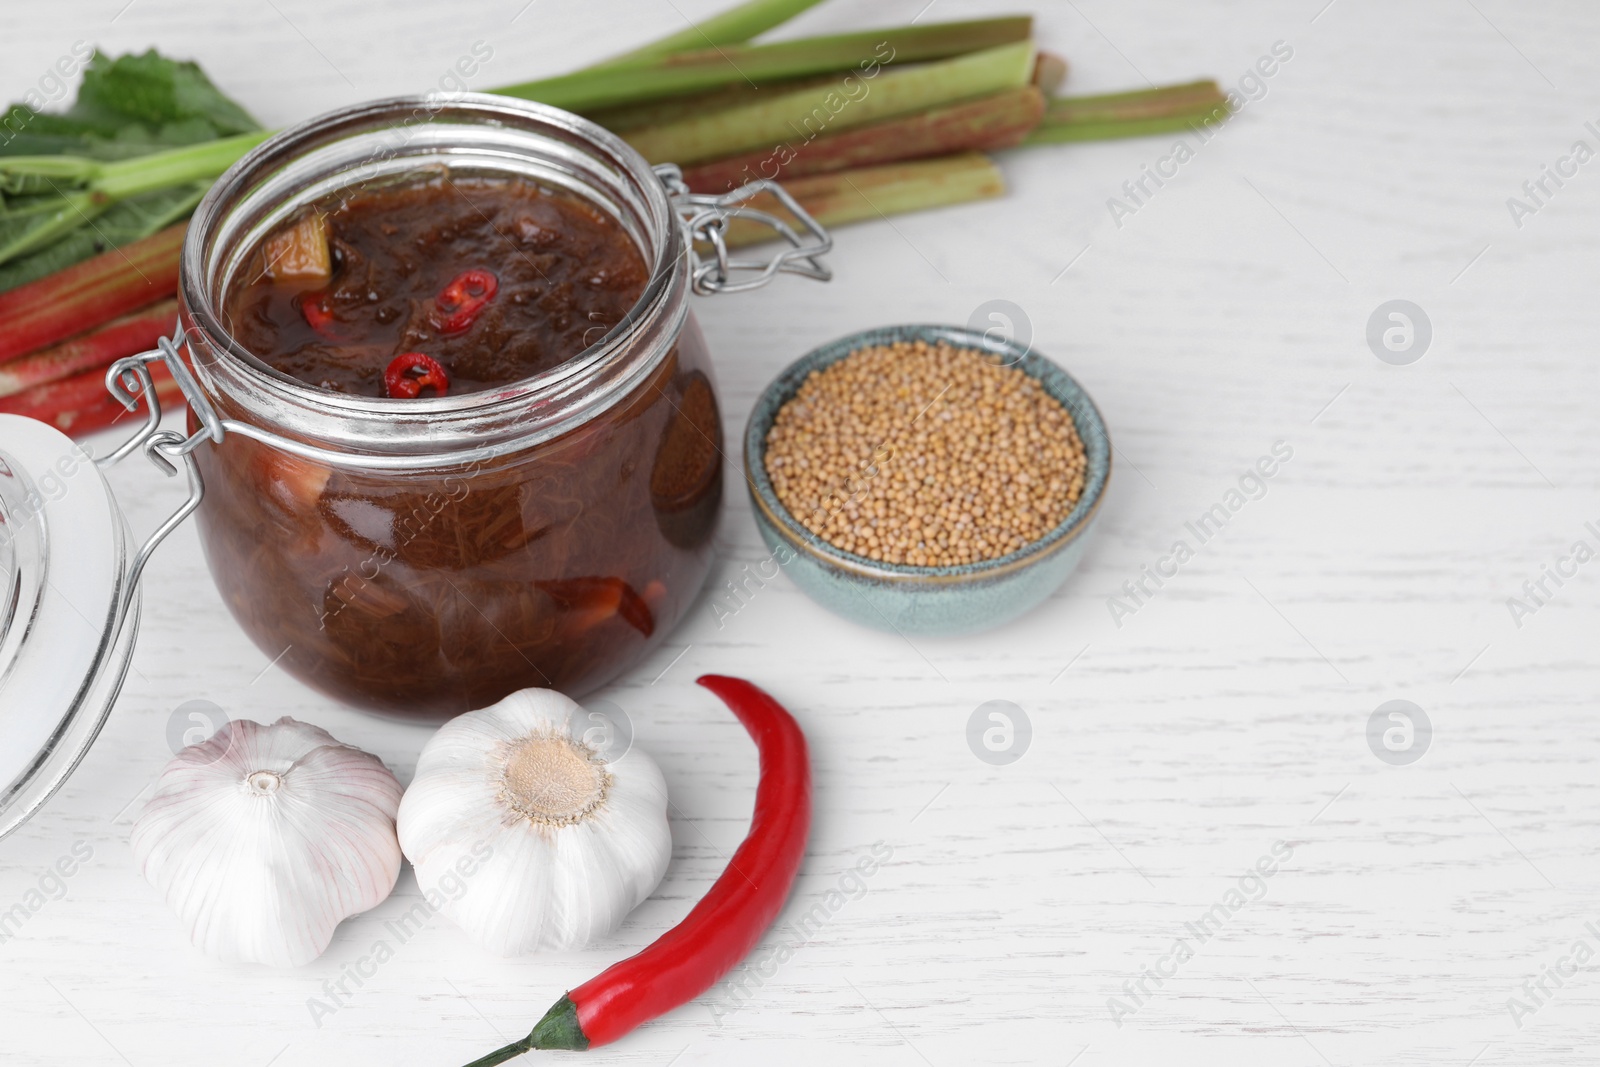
(45, 219)
(141, 216)
(117, 126)
(155, 91)
(135, 141)
(75, 247)
(122, 224)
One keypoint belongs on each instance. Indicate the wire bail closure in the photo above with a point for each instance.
(129, 380)
(706, 218)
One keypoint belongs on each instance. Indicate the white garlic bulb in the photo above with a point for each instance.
(265, 838)
(545, 844)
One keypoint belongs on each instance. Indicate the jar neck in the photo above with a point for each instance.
(473, 134)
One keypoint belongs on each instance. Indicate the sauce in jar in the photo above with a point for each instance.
(557, 271)
(434, 591)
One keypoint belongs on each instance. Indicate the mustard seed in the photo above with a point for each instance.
(925, 454)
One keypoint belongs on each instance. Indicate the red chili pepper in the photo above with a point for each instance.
(458, 304)
(318, 315)
(595, 600)
(402, 384)
(727, 924)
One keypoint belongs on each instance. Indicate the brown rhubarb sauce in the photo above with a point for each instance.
(432, 592)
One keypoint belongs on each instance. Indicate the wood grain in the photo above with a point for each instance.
(1169, 753)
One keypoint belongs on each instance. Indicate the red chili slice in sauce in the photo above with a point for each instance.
(402, 384)
(318, 315)
(458, 304)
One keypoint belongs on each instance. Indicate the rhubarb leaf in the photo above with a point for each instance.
(156, 91)
(129, 106)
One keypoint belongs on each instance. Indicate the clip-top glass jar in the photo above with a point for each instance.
(414, 557)
(430, 555)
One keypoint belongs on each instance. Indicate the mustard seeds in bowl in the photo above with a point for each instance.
(917, 444)
(925, 454)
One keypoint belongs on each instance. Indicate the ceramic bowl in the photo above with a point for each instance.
(927, 600)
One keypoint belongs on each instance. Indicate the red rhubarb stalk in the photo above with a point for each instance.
(1000, 120)
(727, 924)
(90, 293)
(80, 405)
(98, 348)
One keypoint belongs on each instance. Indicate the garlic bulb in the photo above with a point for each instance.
(265, 838)
(544, 844)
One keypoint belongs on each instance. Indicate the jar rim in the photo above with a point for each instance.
(661, 307)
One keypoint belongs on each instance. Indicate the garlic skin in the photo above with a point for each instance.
(264, 838)
(545, 845)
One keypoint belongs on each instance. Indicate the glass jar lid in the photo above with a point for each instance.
(68, 611)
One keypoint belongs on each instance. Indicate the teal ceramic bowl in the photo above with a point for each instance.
(927, 600)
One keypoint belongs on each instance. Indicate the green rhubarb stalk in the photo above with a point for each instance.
(1089, 118)
(689, 72)
(875, 192)
(1048, 72)
(143, 174)
(1111, 131)
(1140, 103)
(125, 177)
(1001, 120)
(81, 189)
(628, 117)
(734, 26)
(795, 118)
(75, 190)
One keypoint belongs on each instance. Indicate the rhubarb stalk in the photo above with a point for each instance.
(87, 187)
(1049, 72)
(689, 72)
(998, 121)
(874, 192)
(90, 293)
(734, 26)
(794, 118)
(1097, 118)
(95, 350)
(626, 118)
(81, 404)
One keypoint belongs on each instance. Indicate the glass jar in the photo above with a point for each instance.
(424, 557)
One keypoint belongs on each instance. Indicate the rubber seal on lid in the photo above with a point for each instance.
(65, 643)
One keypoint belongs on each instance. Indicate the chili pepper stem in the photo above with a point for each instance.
(558, 1029)
(501, 1055)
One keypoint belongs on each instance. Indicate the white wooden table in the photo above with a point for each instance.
(1170, 753)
